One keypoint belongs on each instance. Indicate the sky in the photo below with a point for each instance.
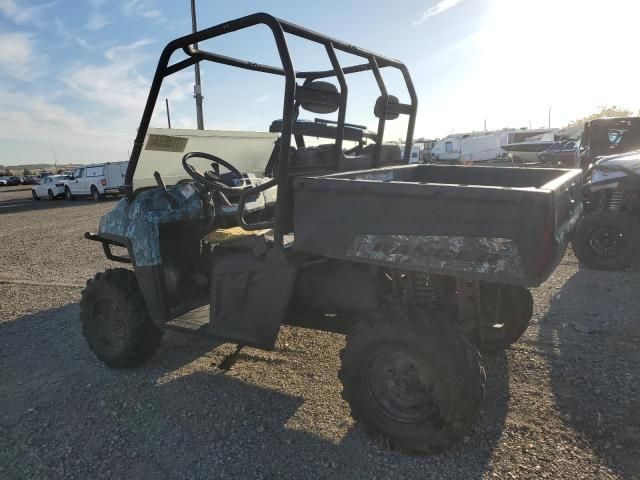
(74, 74)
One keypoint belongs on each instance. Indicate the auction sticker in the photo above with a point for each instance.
(166, 143)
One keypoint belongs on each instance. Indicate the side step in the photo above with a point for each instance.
(194, 322)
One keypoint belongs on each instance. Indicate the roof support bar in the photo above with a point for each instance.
(344, 92)
(383, 118)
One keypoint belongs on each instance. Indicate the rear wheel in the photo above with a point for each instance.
(95, 194)
(606, 240)
(51, 195)
(413, 382)
(35, 195)
(115, 320)
(506, 314)
(67, 194)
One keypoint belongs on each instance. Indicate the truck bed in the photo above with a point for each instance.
(506, 225)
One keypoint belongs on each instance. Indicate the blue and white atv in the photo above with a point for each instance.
(608, 236)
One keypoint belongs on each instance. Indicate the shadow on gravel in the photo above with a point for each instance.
(64, 414)
(26, 204)
(592, 336)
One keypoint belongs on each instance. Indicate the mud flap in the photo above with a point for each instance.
(250, 295)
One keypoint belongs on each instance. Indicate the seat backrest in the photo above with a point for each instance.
(312, 160)
(391, 113)
(318, 97)
(389, 155)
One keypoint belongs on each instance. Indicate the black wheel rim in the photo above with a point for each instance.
(401, 388)
(109, 322)
(50, 194)
(607, 242)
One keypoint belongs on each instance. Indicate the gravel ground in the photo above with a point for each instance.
(562, 403)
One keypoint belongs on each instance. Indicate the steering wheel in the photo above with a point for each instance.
(211, 179)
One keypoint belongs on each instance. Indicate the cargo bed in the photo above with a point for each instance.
(506, 225)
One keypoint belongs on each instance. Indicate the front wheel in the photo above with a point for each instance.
(115, 320)
(413, 382)
(35, 195)
(67, 194)
(51, 195)
(606, 240)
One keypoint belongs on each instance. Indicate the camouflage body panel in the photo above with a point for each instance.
(138, 222)
(444, 254)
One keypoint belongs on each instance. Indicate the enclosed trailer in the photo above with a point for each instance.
(483, 147)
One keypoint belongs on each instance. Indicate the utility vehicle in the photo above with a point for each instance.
(97, 181)
(419, 265)
(608, 235)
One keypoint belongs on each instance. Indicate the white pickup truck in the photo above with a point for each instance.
(97, 180)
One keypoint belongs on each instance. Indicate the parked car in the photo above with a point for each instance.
(29, 180)
(13, 181)
(51, 187)
(3, 181)
(96, 180)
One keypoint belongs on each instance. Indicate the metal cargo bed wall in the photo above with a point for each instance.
(493, 233)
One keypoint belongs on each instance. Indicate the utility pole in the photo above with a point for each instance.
(197, 89)
(549, 117)
(166, 101)
(485, 124)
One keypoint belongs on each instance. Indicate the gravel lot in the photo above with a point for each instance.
(562, 403)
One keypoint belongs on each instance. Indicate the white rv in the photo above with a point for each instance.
(447, 149)
(417, 153)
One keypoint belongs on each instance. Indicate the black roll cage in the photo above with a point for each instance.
(374, 62)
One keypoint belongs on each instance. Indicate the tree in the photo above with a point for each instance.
(604, 112)
(26, 172)
(60, 171)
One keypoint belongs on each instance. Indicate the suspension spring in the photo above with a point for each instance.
(615, 203)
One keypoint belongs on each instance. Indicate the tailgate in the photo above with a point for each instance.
(567, 195)
(566, 203)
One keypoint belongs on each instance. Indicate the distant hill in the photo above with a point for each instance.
(35, 168)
